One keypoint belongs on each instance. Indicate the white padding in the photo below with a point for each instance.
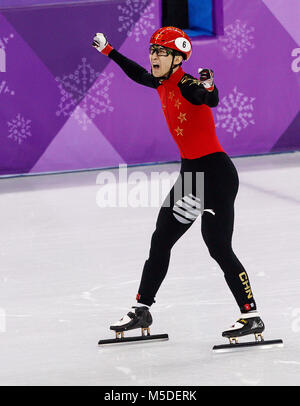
(124, 320)
(249, 315)
(236, 326)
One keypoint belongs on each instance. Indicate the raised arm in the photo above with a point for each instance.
(201, 91)
(131, 68)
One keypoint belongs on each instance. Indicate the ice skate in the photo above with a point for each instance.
(248, 323)
(137, 317)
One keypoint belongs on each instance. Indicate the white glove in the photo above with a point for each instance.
(206, 78)
(100, 41)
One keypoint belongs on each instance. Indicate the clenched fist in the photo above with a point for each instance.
(206, 78)
(101, 44)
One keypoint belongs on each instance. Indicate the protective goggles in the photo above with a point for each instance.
(160, 51)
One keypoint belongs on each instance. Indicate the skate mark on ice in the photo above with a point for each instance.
(248, 381)
(271, 192)
(286, 362)
(127, 371)
(128, 282)
(88, 294)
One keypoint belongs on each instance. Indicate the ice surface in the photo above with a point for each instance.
(70, 268)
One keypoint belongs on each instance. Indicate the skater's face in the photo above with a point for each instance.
(161, 60)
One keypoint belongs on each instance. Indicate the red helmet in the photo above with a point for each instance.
(174, 38)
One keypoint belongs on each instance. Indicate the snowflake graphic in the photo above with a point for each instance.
(238, 39)
(19, 129)
(4, 89)
(235, 112)
(4, 41)
(136, 18)
(77, 89)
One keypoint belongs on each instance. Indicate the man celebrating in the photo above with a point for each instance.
(187, 103)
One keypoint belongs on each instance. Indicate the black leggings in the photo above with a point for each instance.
(179, 211)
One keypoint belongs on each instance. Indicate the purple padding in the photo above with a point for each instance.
(218, 17)
(24, 3)
(64, 106)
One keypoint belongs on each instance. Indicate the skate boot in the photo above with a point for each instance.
(248, 323)
(137, 317)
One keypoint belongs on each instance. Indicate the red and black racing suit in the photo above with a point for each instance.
(187, 108)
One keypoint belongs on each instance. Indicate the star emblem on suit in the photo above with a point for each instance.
(179, 131)
(182, 117)
(171, 95)
(177, 104)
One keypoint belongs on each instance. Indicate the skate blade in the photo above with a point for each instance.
(251, 344)
(132, 340)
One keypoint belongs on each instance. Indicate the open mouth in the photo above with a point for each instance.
(155, 66)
